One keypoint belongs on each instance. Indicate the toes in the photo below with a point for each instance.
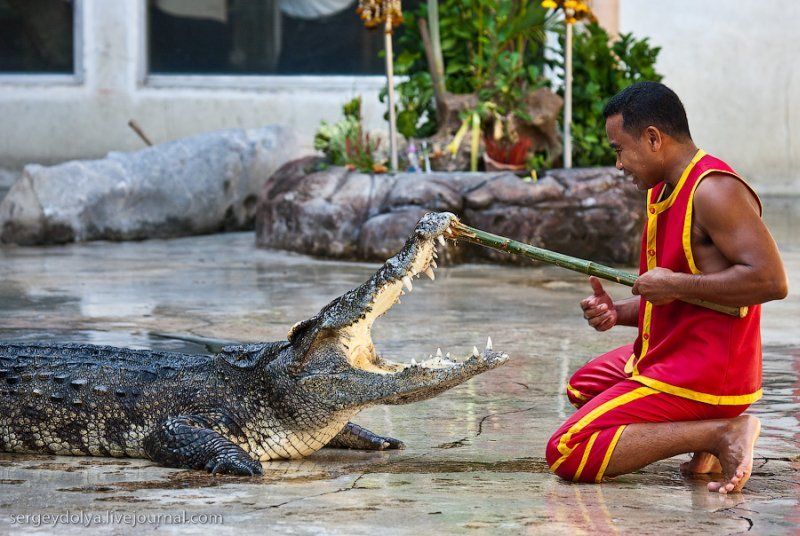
(714, 486)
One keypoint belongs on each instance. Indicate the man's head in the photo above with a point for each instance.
(645, 123)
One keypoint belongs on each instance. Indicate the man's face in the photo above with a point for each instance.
(635, 156)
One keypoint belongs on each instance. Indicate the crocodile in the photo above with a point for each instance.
(245, 404)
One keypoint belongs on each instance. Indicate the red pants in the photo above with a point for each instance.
(607, 401)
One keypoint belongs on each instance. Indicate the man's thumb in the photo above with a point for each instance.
(597, 286)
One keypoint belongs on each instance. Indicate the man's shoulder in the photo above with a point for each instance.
(724, 192)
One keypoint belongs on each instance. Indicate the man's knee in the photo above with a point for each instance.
(576, 462)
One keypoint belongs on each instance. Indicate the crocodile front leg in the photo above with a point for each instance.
(354, 436)
(186, 441)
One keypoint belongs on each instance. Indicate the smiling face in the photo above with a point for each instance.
(640, 157)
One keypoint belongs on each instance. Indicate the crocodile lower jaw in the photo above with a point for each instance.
(359, 347)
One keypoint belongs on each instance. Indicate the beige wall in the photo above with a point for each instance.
(607, 13)
(736, 66)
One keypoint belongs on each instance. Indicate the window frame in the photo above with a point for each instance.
(274, 83)
(78, 75)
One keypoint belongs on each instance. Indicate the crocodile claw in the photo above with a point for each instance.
(234, 466)
(390, 443)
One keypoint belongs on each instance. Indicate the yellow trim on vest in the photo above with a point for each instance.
(715, 400)
(687, 222)
(653, 210)
(577, 394)
(661, 206)
(646, 320)
(686, 237)
(585, 458)
(629, 364)
(609, 451)
(597, 412)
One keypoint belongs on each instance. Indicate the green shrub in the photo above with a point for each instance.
(331, 139)
(345, 143)
(490, 47)
(599, 72)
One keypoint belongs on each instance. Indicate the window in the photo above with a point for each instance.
(261, 37)
(37, 37)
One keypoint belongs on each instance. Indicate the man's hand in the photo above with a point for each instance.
(598, 309)
(656, 286)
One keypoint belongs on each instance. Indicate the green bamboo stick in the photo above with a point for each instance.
(575, 264)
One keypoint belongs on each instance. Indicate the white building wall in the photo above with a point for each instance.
(736, 66)
(47, 123)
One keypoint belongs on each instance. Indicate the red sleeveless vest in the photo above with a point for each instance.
(684, 349)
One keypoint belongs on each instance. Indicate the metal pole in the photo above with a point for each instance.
(568, 98)
(390, 82)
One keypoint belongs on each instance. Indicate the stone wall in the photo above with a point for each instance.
(590, 213)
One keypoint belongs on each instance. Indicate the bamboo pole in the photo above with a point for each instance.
(575, 264)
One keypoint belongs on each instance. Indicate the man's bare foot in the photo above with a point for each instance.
(736, 453)
(701, 463)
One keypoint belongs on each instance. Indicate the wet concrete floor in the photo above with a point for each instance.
(474, 457)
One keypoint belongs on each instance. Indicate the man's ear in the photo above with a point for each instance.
(654, 138)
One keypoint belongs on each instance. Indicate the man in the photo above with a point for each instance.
(683, 385)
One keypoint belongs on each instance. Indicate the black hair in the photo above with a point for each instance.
(645, 104)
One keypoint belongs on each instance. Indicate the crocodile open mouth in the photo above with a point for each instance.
(393, 280)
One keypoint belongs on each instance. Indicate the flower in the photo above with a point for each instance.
(574, 10)
(375, 12)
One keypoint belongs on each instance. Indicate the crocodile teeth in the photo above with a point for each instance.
(438, 352)
(413, 362)
(435, 256)
(447, 355)
(440, 238)
(433, 263)
(488, 343)
(407, 283)
(448, 230)
(475, 351)
(429, 273)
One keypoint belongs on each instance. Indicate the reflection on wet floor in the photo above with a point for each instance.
(474, 456)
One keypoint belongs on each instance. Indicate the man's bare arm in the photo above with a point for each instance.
(750, 271)
(628, 311)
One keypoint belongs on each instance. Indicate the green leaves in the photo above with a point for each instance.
(492, 47)
(344, 143)
(416, 116)
(599, 72)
